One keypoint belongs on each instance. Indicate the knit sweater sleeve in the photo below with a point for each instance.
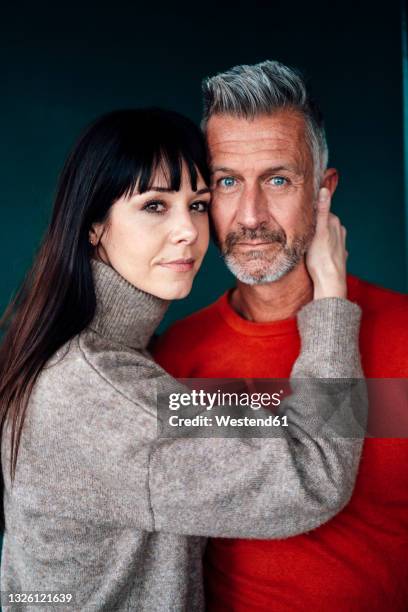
(281, 486)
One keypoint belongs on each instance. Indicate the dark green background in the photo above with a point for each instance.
(63, 65)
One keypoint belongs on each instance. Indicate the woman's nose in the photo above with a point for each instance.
(183, 229)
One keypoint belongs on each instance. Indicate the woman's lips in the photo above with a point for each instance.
(179, 265)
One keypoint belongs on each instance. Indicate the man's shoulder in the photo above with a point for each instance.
(385, 318)
(384, 328)
(378, 301)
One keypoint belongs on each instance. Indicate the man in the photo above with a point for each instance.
(269, 158)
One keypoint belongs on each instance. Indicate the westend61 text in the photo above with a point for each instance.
(227, 421)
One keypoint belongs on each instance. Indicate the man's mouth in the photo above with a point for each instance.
(253, 244)
(248, 246)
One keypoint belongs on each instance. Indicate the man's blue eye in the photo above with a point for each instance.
(278, 181)
(227, 181)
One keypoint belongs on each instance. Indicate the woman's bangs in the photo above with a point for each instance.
(165, 171)
(159, 149)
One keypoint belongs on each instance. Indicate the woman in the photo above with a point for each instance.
(97, 507)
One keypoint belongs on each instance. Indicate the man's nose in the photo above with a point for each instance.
(183, 229)
(252, 208)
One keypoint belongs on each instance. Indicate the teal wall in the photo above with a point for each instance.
(63, 65)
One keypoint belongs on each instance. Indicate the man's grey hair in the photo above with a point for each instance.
(249, 91)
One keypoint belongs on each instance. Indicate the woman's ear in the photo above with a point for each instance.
(330, 180)
(95, 233)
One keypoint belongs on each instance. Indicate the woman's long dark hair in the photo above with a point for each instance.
(118, 154)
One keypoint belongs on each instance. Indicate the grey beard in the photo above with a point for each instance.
(273, 268)
(259, 278)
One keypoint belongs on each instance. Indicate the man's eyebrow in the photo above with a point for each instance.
(167, 190)
(223, 169)
(274, 169)
(226, 171)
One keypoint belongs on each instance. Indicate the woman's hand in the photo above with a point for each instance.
(326, 257)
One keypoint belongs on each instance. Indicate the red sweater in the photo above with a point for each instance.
(358, 561)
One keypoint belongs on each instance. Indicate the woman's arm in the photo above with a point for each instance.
(278, 487)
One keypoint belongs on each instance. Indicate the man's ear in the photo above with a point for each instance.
(330, 180)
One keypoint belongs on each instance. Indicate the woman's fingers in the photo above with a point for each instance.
(323, 209)
(326, 257)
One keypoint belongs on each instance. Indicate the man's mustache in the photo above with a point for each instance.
(257, 234)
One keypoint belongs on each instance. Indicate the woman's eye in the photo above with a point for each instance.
(154, 207)
(278, 181)
(201, 207)
(227, 182)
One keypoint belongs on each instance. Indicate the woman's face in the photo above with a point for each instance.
(158, 239)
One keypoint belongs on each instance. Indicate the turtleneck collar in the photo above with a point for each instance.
(124, 313)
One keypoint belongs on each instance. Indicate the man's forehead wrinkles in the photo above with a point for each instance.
(258, 141)
(257, 151)
(282, 156)
(255, 144)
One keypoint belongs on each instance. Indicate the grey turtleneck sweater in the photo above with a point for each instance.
(105, 510)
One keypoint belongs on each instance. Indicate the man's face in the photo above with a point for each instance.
(263, 205)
